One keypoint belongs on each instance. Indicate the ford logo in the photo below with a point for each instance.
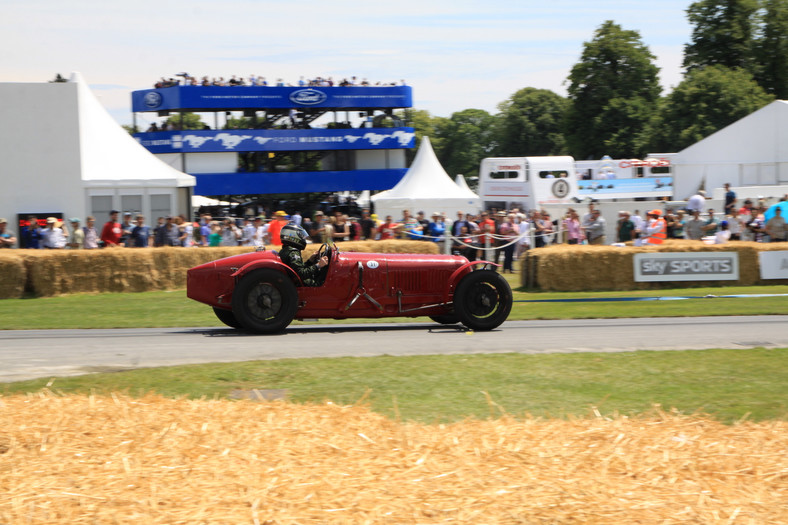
(308, 97)
(152, 99)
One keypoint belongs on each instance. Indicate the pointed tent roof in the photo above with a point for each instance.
(109, 155)
(462, 183)
(426, 186)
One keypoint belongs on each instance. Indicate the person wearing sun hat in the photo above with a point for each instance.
(52, 236)
(275, 227)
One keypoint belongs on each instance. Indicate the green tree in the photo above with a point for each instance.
(722, 34)
(771, 48)
(424, 125)
(530, 122)
(706, 100)
(464, 140)
(613, 92)
(188, 121)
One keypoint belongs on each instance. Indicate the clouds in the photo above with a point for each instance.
(457, 54)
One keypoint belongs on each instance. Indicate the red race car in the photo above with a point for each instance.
(258, 292)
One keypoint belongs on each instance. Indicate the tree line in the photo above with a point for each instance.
(735, 63)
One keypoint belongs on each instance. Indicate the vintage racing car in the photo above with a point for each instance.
(258, 292)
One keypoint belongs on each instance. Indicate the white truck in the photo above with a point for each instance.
(534, 182)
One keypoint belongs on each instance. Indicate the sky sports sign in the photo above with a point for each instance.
(686, 266)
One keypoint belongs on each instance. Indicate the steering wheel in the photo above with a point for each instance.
(324, 249)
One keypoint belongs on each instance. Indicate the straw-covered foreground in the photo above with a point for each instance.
(84, 459)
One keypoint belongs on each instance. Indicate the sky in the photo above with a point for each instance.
(456, 54)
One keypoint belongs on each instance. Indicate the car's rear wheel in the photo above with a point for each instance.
(227, 317)
(483, 300)
(265, 301)
(445, 319)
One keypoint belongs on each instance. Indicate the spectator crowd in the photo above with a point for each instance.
(502, 234)
(257, 80)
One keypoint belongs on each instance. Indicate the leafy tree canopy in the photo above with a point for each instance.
(613, 91)
(530, 123)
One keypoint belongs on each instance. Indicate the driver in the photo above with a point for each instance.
(293, 241)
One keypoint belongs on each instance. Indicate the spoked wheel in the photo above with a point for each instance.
(483, 300)
(265, 301)
(227, 317)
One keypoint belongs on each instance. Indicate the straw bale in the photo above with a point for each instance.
(570, 268)
(13, 276)
(59, 272)
(88, 459)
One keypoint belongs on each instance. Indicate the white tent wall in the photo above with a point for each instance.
(426, 187)
(39, 147)
(751, 152)
(63, 153)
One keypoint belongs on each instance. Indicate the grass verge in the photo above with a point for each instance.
(726, 384)
(168, 309)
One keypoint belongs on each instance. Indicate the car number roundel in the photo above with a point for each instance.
(372, 264)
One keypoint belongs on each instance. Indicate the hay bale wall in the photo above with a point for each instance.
(567, 268)
(48, 273)
(92, 459)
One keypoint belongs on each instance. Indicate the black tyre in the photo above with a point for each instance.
(445, 319)
(483, 300)
(227, 317)
(265, 301)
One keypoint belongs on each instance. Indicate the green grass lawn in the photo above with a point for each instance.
(727, 384)
(165, 309)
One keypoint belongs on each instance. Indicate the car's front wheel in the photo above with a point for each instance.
(483, 300)
(227, 317)
(265, 301)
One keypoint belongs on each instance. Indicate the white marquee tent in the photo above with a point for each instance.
(426, 187)
(750, 153)
(65, 154)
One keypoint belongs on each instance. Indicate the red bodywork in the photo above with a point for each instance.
(391, 284)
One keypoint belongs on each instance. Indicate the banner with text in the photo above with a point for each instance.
(774, 265)
(686, 266)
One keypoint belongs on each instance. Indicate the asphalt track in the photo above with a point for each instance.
(28, 354)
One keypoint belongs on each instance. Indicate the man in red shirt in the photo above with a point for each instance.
(388, 230)
(112, 231)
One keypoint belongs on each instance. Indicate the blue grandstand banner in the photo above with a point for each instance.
(210, 98)
(276, 140)
(296, 182)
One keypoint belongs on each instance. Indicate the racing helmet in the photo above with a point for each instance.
(293, 235)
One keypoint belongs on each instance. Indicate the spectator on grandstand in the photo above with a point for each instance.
(694, 227)
(53, 238)
(711, 225)
(368, 226)
(436, 229)
(126, 226)
(91, 235)
(185, 231)
(140, 234)
(111, 233)
(77, 238)
(7, 237)
(456, 226)
(625, 228)
(776, 227)
(341, 228)
(389, 229)
(230, 233)
(30, 234)
(571, 225)
(508, 233)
